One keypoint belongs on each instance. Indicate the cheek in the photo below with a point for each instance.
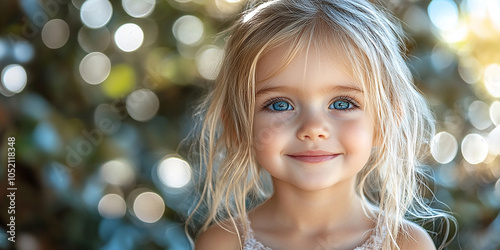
(358, 136)
(265, 146)
(263, 138)
(268, 130)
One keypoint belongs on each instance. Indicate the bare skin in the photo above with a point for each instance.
(312, 220)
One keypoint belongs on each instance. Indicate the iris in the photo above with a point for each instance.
(280, 106)
(341, 105)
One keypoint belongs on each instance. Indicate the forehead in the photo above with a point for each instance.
(311, 64)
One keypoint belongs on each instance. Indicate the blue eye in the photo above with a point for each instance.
(341, 105)
(280, 106)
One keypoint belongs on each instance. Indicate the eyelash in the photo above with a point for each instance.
(350, 100)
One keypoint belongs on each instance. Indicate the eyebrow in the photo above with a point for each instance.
(287, 89)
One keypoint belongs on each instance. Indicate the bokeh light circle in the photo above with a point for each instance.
(120, 82)
(443, 14)
(441, 58)
(417, 19)
(129, 37)
(117, 172)
(149, 207)
(174, 172)
(95, 68)
(444, 147)
(495, 113)
(479, 115)
(469, 70)
(139, 8)
(142, 104)
(492, 79)
(46, 136)
(150, 29)
(188, 30)
(96, 13)
(23, 51)
(94, 40)
(112, 206)
(208, 60)
(14, 78)
(494, 141)
(474, 148)
(227, 7)
(55, 33)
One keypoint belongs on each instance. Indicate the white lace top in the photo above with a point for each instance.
(372, 243)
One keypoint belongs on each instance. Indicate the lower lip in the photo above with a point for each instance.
(313, 159)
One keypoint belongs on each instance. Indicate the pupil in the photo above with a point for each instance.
(280, 106)
(341, 105)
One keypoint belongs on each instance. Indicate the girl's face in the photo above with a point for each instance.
(311, 127)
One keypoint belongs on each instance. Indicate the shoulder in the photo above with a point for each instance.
(217, 237)
(415, 238)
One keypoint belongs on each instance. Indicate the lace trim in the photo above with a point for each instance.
(372, 243)
(375, 241)
(251, 243)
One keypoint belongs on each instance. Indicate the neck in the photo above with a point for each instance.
(334, 207)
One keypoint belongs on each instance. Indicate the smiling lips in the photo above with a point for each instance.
(313, 156)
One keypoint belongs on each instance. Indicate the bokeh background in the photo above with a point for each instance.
(99, 95)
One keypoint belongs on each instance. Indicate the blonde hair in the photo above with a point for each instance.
(393, 180)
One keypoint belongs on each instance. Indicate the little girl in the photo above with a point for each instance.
(315, 94)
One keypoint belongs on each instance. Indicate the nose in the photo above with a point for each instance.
(313, 127)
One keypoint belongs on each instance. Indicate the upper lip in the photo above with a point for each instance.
(312, 153)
